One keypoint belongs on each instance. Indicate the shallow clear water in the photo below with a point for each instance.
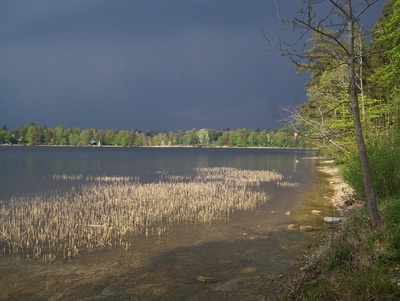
(246, 254)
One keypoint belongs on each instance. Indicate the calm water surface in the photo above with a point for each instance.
(247, 254)
(29, 170)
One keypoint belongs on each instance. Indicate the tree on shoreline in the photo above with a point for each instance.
(337, 21)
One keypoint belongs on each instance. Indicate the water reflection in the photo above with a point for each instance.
(245, 254)
(28, 170)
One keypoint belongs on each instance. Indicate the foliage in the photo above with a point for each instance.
(384, 66)
(369, 257)
(34, 134)
(385, 60)
(383, 157)
(204, 138)
(326, 119)
(392, 237)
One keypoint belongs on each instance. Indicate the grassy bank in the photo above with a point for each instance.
(354, 261)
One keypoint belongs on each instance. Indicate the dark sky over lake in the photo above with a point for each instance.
(145, 64)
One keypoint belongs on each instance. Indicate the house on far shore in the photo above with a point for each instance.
(92, 142)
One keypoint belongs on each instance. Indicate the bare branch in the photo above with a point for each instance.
(321, 134)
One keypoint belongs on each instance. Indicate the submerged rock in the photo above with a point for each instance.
(332, 220)
(206, 279)
(316, 212)
(291, 226)
(306, 228)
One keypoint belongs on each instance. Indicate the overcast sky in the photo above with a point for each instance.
(151, 64)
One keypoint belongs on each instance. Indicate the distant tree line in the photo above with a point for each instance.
(34, 134)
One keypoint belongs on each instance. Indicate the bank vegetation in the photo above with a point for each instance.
(361, 259)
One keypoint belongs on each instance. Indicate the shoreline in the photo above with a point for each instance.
(344, 202)
(343, 195)
(170, 146)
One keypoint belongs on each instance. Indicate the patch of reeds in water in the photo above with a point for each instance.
(110, 211)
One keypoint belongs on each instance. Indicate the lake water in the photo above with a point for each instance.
(29, 170)
(247, 254)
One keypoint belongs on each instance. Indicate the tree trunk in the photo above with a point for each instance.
(369, 188)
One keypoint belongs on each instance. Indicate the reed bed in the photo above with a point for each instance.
(111, 211)
(91, 178)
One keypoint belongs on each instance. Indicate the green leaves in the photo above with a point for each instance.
(385, 47)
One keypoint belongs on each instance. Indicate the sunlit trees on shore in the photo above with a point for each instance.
(341, 107)
(34, 134)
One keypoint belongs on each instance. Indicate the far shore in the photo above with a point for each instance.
(168, 146)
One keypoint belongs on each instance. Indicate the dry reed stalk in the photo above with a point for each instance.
(287, 184)
(109, 211)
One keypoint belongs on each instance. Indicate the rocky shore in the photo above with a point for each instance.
(344, 202)
(343, 198)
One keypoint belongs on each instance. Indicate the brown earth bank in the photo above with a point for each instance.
(251, 257)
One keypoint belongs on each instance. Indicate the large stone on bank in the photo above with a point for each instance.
(332, 220)
(306, 228)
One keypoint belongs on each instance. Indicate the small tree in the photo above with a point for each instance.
(339, 25)
(191, 137)
(204, 138)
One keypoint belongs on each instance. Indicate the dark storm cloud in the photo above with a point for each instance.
(163, 65)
